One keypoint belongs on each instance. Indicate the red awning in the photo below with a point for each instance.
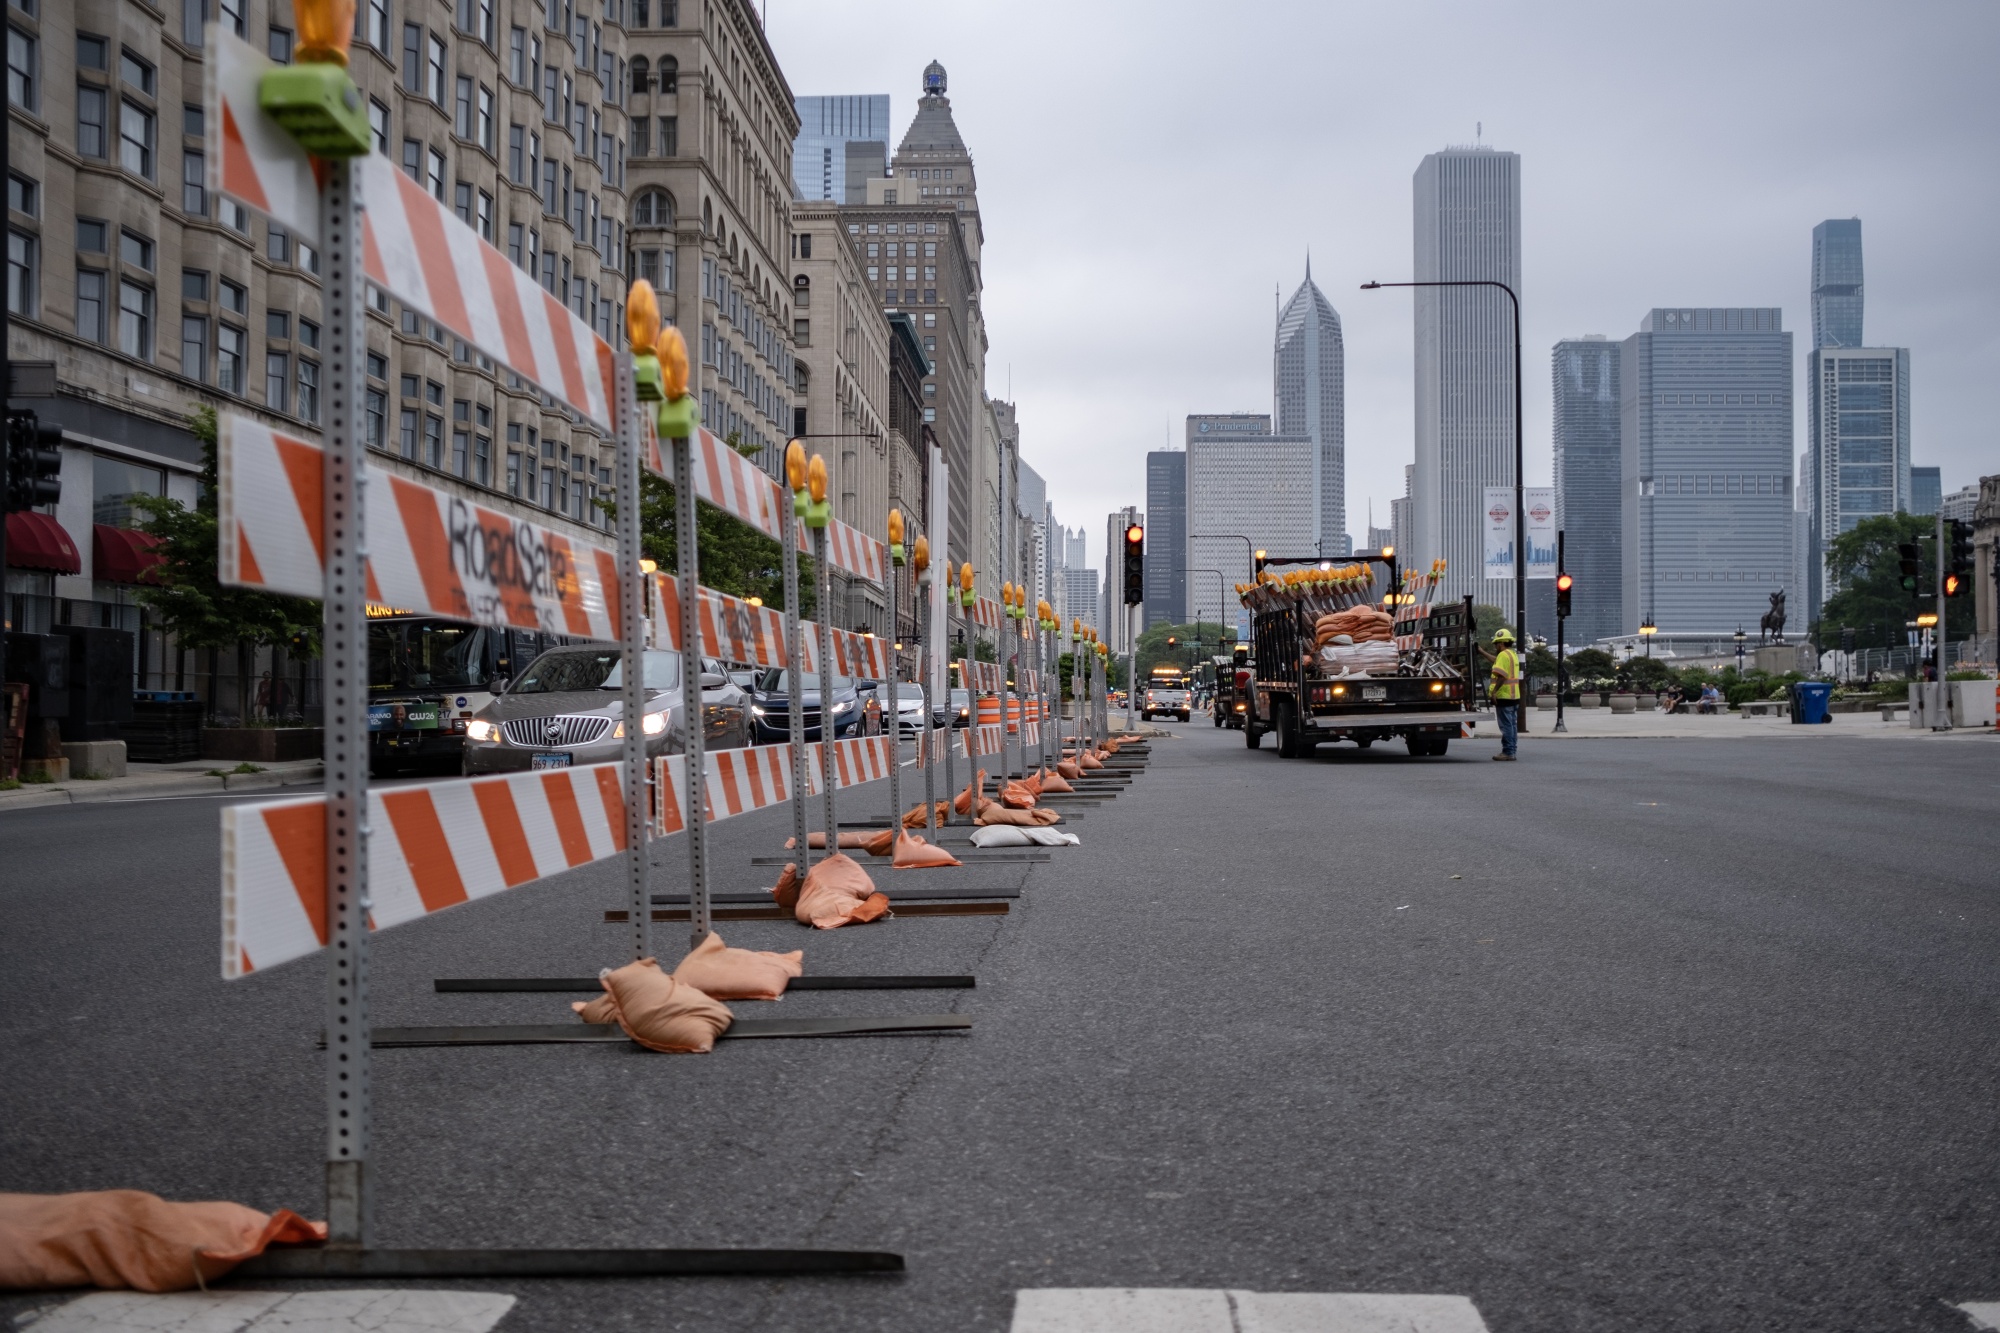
(122, 555)
(37, 541)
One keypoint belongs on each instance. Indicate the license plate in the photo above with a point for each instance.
(549, 759)
(1374, 692)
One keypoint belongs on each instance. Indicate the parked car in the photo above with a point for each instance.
(564, 710)
(961, 708)
(771, 707)
(909, 708)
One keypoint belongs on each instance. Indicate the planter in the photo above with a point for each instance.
(1545, 703)
(1590, 700)
(1649, 703)
(1624, 703)
(260, 745)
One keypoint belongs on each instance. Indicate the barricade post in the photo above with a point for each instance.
(818, 511)
(795, 473)
(895, 668)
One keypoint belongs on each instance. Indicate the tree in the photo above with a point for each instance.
(1154, 650)
(1645, 674)
(1872, 602)
(189, 600)
(1589, 665)
(735, 557)
(1540, 664)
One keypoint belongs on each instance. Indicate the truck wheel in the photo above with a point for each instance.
(1419, 746)
(1288, 737)
(1218, 721)
(1439, 744)
(1252, 735)
(1365, 741)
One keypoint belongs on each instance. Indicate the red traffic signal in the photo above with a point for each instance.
(1952, 584)
(1564, 582)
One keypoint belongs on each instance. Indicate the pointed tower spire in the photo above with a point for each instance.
(1309, 264)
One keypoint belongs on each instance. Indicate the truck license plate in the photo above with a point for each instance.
(549, 759)
(1374, 692)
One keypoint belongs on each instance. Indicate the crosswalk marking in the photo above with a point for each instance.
(279, 1312)
(1177, 1310)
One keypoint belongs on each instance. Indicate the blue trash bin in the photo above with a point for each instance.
(1809, 702)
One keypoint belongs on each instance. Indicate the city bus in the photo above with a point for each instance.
(427, 676)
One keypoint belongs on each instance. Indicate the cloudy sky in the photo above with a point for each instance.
(1148, 174)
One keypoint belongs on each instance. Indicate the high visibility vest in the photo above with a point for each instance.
(1507, 666)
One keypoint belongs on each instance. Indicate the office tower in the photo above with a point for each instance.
(1379, 538)
(1120, 623)
(1836, 283)
(841, 144)
(1247, 490)
(1858, 432)
(1961, 506)
(1586, 434)
(1031, 502)
(1926, 489)
(1706, 469)
(1166, 537)
(1080, 599)
(1468, 227)
(1308, 366)
(1401, 527)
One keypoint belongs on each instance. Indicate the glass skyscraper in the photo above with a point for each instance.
(1926, 490)
(1586, 473)
(1836, 283)
(1706, 469)
(827, 128)
(1166, 538)
(1308, 381)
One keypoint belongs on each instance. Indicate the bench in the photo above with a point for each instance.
(1893, 712)
(1768, 708)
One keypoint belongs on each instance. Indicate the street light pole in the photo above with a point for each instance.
(1520, 517)
(1249, 554)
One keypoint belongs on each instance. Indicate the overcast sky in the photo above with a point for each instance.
(1148, 173)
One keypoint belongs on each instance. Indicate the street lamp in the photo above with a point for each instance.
(1647, 629)
(1741, 639)
(1520, 517)
(1249, 551)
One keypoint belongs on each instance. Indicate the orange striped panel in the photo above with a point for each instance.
(421, 836)
(504, 832)
(305, 469)
(612, 794)
(299, 834)
(426, 228)
(568, 818)
(429, 544)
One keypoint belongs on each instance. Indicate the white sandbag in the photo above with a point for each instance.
(1049, 837)
(1003, 835)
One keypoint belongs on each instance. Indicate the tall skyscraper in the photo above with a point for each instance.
(1247, 490)
(1309, 393)
(1166, 537)
(1857, 404)
(1706, 469)
(835, 132)
(1402, 527)
(1926, 490)
(1468, 226)
(1586, 474)
(1836, 283)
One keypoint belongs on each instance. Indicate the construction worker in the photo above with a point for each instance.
(1504, 688)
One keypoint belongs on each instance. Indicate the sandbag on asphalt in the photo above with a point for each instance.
(913, 853)
(837, 892)
(875, 844)
(716, 970)
(657, 1011)
(129, 1239)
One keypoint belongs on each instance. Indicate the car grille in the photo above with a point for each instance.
(560, 730)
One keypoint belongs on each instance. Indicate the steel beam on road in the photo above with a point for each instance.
(776, 913)
(743, 1029)
(335, 1262)
(495, 985)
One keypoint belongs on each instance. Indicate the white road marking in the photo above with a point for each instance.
(1983, 1314)
(1174, 1310)
(397, 1311)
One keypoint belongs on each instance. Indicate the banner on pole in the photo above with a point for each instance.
(428, 550)
(1541, 507)
(413, 246)
(1498, 523)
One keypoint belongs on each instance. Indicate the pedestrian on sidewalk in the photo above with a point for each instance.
(1504, 688)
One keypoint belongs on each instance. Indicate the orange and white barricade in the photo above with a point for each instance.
(983, 740)
(428, 550)
(430, 847)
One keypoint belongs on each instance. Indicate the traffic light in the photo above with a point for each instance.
(1847, 639)
(1564, 582)
(1910, 562)
(1135, 564)
(1958, 568)
(1259, 565)
(34, 462)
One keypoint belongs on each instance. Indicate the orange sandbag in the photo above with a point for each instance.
(1053, 782)
(1033, 782)
(913, 853)
(786, 890)
(131, 1239)
(998, 814)
(838, 892)
(1090, 760)
(660, 1013)
(975, 789)
(723, 973)
(1016, 796)
(915, 817)
(881, 844)
(817, 841)
(1068, 768)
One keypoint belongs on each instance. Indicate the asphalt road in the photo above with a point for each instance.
(1664, 1035)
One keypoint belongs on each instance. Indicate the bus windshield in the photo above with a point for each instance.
(425, 655)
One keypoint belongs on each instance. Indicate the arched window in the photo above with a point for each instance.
(801, 377)
(653, 208)
(641, 75)
(802, 295)
(669, 74)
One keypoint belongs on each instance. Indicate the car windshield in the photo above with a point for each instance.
(774, 681)
(593, 669)
(959, 698)
(421, 654)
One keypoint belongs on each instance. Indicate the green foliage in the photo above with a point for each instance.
(1487, 620)
(983, 650)
(1966, 675)
(1540, 664)
(1153, 649)
(735, 557)
(1592, 664)
(186, 597)
(1645, 674)
(1872, 601)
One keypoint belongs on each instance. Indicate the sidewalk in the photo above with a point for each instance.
(1603, 724)
(148, 781)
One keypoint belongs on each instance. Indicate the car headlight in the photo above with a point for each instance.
(758, 710)
(846, 705)
(477, 730)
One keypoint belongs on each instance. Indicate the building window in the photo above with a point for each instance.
(670, 76)
(277, 381)
(407, 432)
(22, 58)
(482, 460)
(378, 125)
(135, 139)
(277, 244)
(413, 58)
(135, 320)
(436, 65)
(513, 470)
(461, 452)
(377, 25)
(434, 440)
(802, 332)
(194, 285)
(90, 303)
(23, 272)
(280, 46)
(194, 184)
(642, 75)
(136, 250)
(308, 389)
(232, 17)
(517, 155)
(229, 352)
(376, 410)
(485, 215)
(194, 347)
(670, 136)
(461, 124)
(90, 115)
(437, 174)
